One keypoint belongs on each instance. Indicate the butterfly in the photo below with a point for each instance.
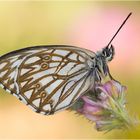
(52, 78)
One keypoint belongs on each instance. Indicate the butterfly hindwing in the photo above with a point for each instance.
(47, 79)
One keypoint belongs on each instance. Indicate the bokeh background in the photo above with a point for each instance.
(85, 24)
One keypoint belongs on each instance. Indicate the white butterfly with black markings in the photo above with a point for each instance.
(51, 78)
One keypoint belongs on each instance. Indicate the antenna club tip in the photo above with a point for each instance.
(130, 13)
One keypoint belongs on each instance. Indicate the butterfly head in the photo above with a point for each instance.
(100, 66)
(107, 53)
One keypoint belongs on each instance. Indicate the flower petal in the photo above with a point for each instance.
(91, 102)
(93, 117)
(91, 108)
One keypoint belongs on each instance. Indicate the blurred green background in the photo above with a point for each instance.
(85, 24)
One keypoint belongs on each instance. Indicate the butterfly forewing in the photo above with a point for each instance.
(47, 79)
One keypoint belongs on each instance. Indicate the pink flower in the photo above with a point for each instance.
(92, 110)
(107, 110)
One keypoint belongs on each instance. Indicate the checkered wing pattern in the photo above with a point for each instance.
(46, 78)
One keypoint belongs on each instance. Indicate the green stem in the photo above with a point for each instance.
(121, 113)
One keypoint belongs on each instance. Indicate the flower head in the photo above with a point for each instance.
(107, 109)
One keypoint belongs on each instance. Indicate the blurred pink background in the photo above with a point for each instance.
(90, 25)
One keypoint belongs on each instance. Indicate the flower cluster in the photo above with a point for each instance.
(106, 107)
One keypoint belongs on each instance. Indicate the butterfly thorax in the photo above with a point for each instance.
(99, 68)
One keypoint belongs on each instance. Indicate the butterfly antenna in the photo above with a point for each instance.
(119, 29)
